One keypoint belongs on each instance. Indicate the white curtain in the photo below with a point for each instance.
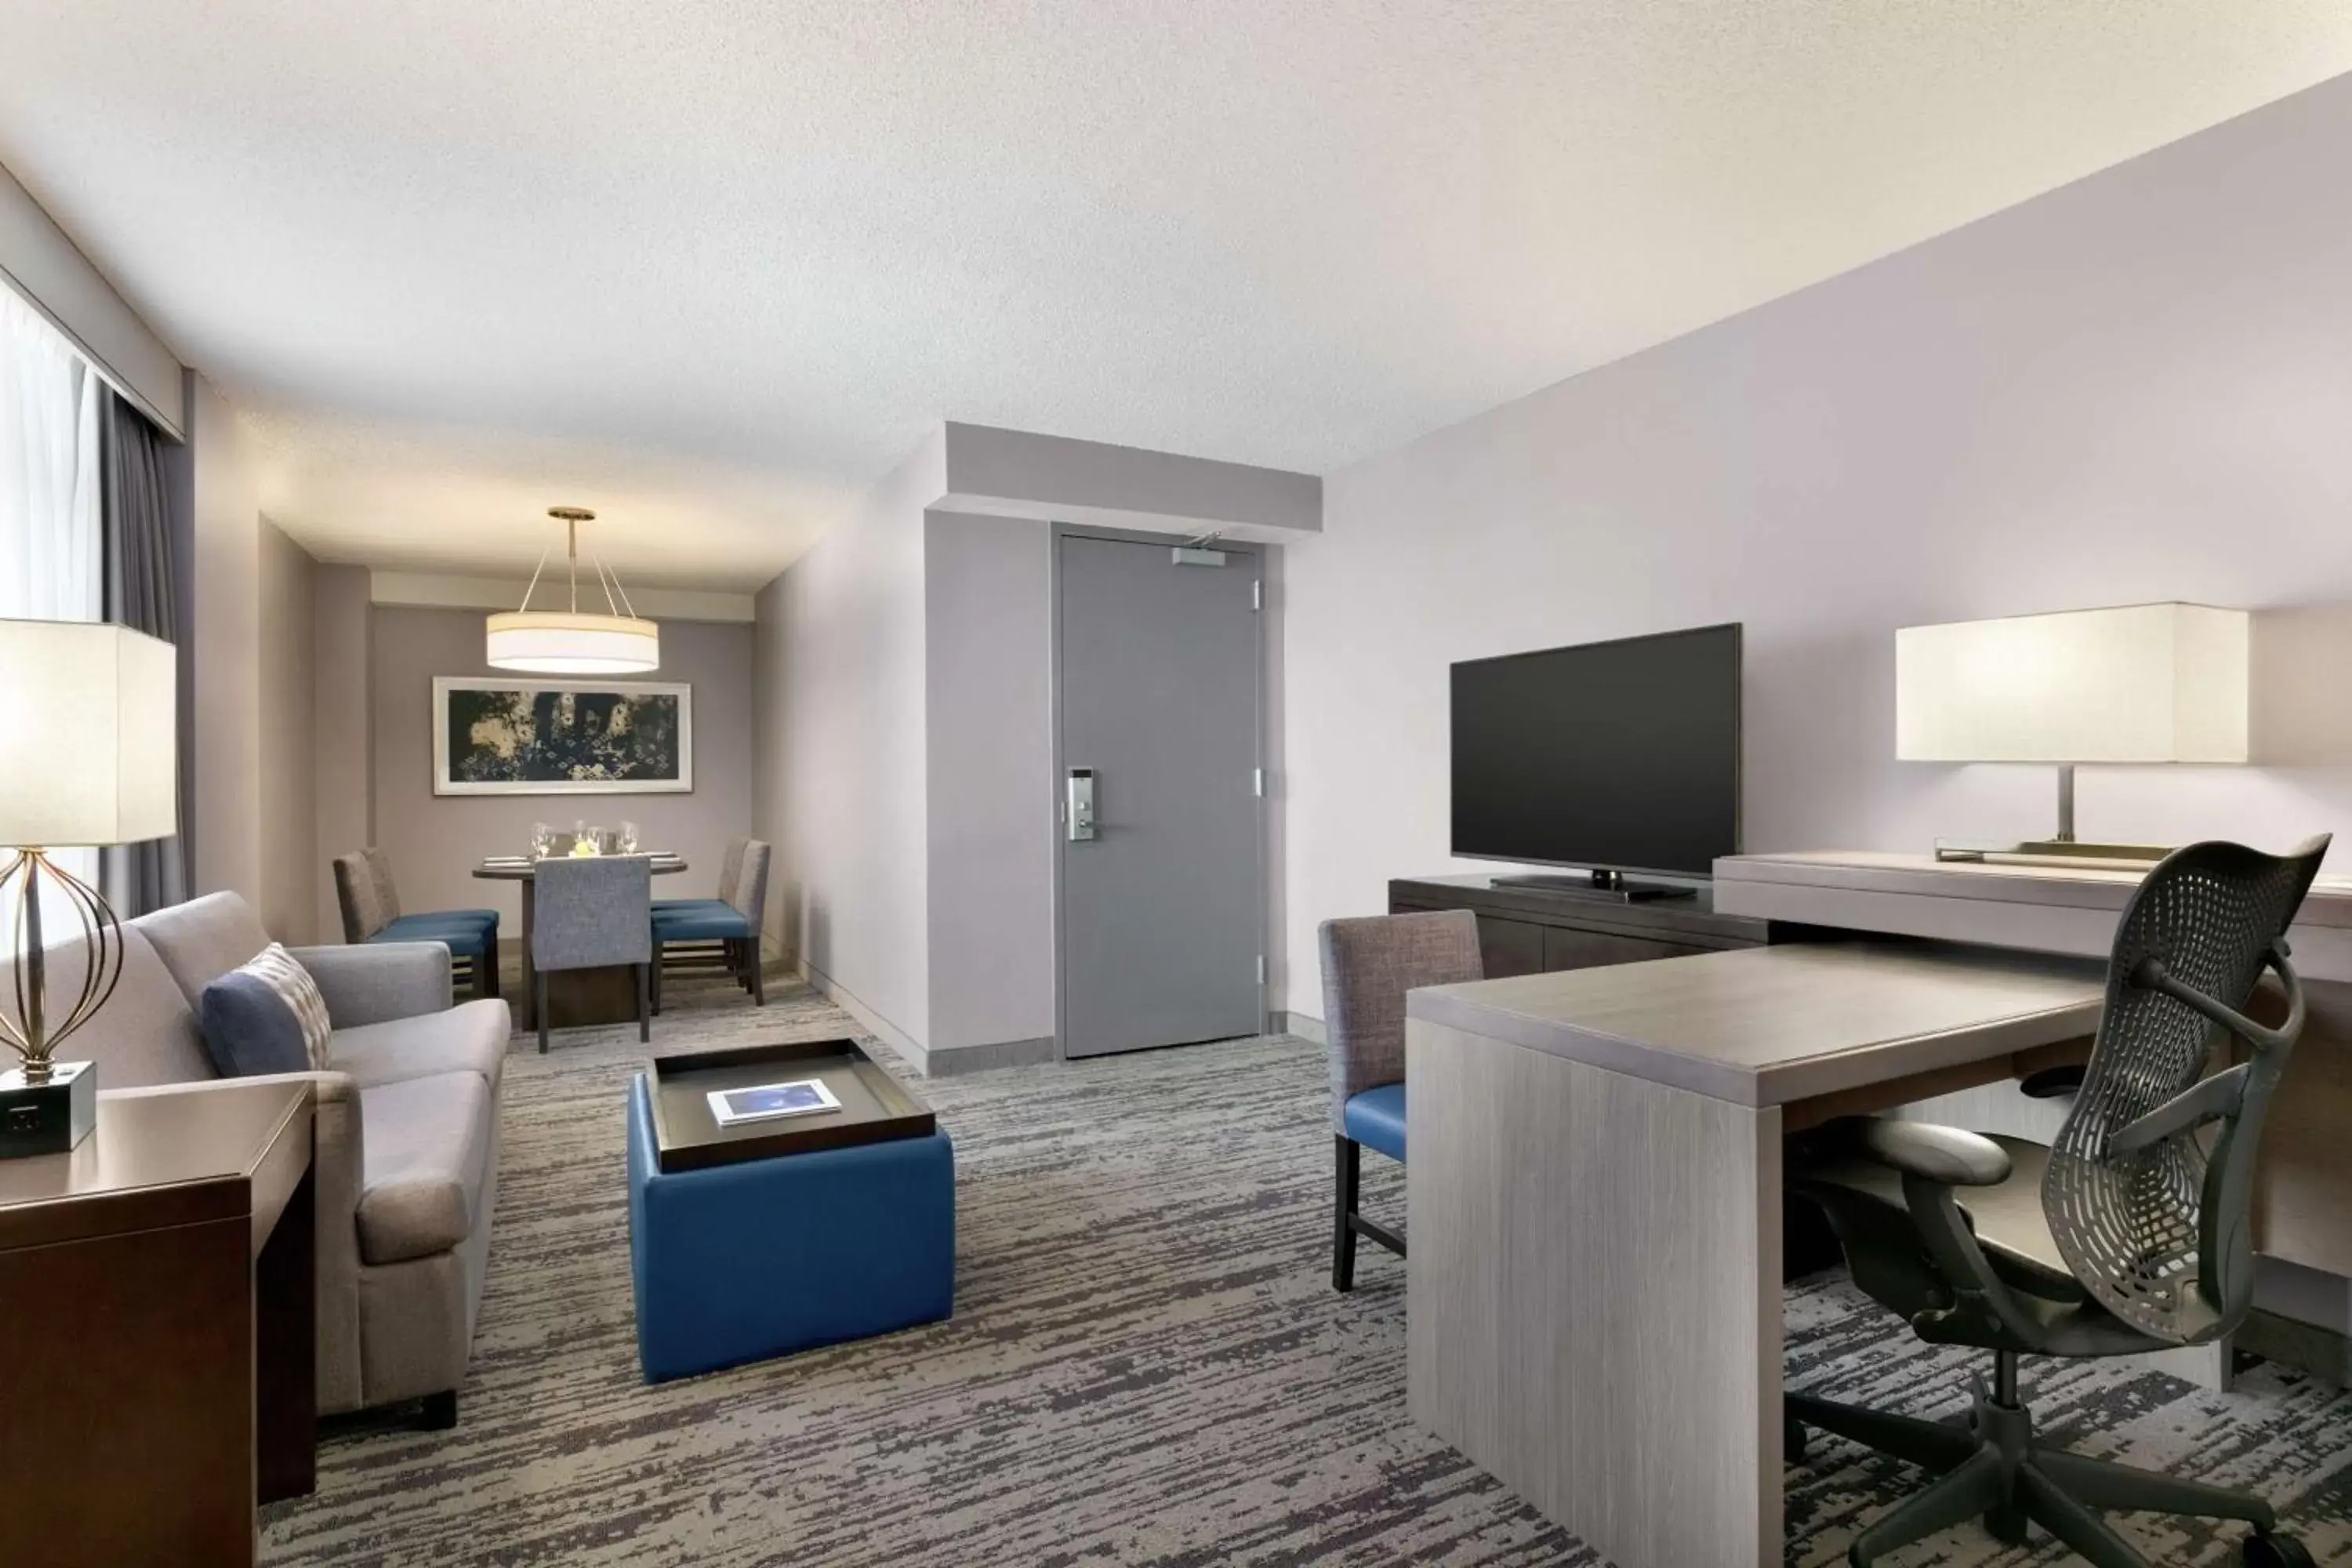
(52, 563)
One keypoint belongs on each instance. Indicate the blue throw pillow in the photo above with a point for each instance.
(262, 1018)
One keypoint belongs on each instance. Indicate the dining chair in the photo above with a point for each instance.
(1368, 965)
(730, 868)
(594, 911)
(371, 910)
(711, 934)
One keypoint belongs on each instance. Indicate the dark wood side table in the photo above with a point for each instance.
(158, 1330)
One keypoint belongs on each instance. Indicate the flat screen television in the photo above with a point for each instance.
(1611, 756)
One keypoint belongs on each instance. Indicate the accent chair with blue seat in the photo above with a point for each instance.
(720, 933)
(1368, 965)
(370, 910)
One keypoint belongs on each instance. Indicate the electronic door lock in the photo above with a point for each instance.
(1079, 814)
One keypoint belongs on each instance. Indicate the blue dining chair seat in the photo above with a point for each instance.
(686, 906)
(1375, 1117)
(701, 924)
(466, 939)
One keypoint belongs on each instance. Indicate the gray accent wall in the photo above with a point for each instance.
(225, 630)
(988, 654)
(435, 841)
(1019, 473)
(2131, 389)
(344, 731)
(904, 704)
(287, 774)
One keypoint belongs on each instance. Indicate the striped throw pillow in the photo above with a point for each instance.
(276, 968)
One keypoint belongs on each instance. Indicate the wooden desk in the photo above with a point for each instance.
(2303, 1198)
(1593, 1293)
(574, 996)
(157, 1335)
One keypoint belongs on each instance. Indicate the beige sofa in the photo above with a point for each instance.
(407, 1141)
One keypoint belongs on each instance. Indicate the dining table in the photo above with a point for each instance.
(574, 996)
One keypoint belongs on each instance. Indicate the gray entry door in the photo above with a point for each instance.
(1163, 907)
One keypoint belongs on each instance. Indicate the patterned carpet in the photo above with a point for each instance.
(1147, 1366)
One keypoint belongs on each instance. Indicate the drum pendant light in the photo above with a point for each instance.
(571, 641)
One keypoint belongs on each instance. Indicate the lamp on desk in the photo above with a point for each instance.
(2142, 683)
(88, 757)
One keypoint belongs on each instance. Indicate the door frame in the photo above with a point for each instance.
(1058, 790)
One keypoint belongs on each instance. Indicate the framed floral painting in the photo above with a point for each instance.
(561, 737)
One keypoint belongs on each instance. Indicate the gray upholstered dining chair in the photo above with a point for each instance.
(594, 911)
(371, 910)
(2133, 1233)
(722, 933)
(1368, 963)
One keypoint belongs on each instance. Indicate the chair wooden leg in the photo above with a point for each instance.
(645, 1004)
(759, 974)
(658, 979)
(486, 970)
(1348, 1158)
(539, 1006)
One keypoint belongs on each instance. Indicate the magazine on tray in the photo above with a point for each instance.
(770, 1102)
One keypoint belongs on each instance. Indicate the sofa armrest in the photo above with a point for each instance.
(377, 981)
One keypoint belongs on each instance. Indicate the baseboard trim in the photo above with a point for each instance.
(881, 1028)
(1306, 1026)
(948, 1061)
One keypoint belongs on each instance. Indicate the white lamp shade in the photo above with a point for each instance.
(2143, 683)
(88, 727)
(548, 642)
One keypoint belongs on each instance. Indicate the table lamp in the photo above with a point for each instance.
(2140, 683)
(88, 757)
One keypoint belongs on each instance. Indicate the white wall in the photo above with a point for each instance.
(842, 786)
(988, 638)
(2133, 389)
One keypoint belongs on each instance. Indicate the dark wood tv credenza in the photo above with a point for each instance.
(1534, 930)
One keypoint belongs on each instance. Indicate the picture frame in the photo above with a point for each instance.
(508, 735)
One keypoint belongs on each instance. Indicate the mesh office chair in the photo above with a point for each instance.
(2133, 1233)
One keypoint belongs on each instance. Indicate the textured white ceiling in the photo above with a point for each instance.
(712, 267)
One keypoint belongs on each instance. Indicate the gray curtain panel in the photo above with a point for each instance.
(141, 594)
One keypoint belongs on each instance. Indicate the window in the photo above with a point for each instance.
(52, 563)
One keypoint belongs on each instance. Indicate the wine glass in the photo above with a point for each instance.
(628, 838)
(542, 841)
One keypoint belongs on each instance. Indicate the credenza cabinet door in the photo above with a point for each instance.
(1590, 950)
(1510, 947)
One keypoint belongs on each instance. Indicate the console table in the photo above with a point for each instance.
(158, 1328)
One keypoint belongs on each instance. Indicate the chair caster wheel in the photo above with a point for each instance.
(1792, 1440)
(2274, 1551)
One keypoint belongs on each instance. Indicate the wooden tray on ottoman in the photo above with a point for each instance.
(875, 1107)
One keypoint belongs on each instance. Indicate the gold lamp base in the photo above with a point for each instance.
(46, 1105)
(2065, 849)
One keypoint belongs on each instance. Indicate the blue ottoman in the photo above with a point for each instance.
(743, 1261)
